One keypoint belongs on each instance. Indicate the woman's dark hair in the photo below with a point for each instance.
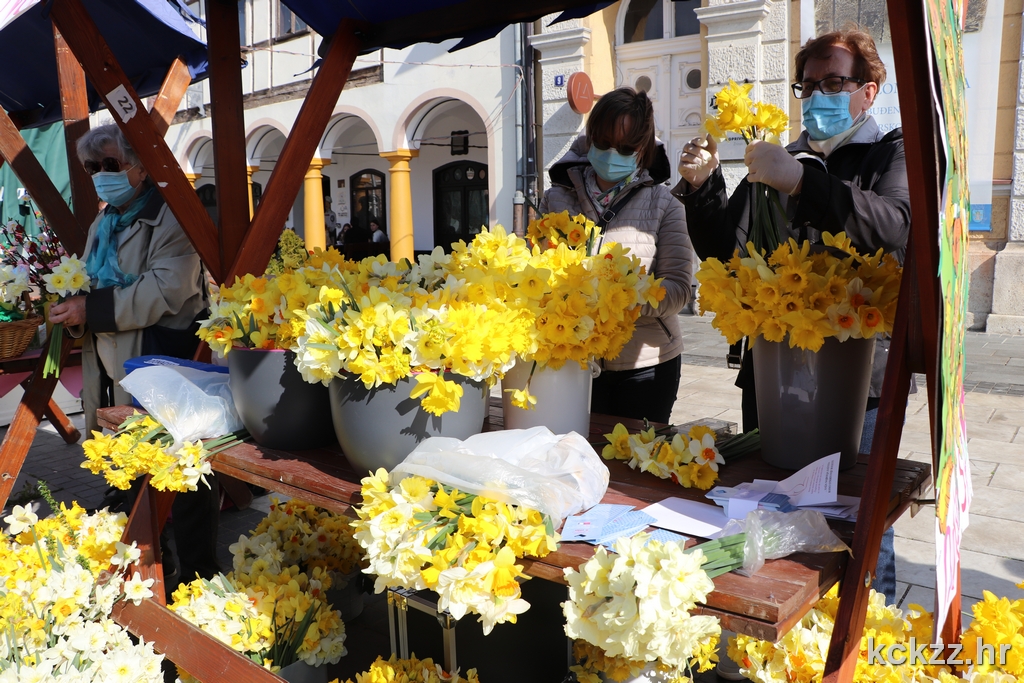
(867, 65)
(605, 122)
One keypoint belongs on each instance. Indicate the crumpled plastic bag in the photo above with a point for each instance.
(190, 403)
(558, 475)
(772, 534)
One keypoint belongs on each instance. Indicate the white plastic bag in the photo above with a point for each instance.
(558, 475)
(772, 534)
(190, 403)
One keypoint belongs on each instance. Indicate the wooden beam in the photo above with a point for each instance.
(293, 162)
(74, 104)
(30, 172)
(168, 100)
(228, 119)
(107, 76)
(144, 525)
(203, 656)
(27, 417)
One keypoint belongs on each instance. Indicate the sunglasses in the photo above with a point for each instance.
(108, 165)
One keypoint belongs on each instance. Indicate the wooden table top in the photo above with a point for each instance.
(765, 605)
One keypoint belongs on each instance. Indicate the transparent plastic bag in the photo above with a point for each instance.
(772, 534)
(558, 475)
(191, 404)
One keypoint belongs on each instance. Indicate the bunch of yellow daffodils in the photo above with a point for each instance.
(142, 446)
(56, 597)
(421, 534)
(805, 294)
(305, 535)
(552, 229)
(634, 604)
(395, 670)
(999, 623)
(689, 460)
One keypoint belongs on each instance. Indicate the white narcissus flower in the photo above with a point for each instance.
(125, 555)
(137, 589)
(20, 519)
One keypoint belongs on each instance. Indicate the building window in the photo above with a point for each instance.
(366, 190)
(243, 22)
(647, 19)
(686, 20)
(644, 21)
(460, 202)
(288, 22)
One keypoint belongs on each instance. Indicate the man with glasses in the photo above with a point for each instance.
(843, 174)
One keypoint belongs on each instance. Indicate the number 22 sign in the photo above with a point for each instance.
(122, 103)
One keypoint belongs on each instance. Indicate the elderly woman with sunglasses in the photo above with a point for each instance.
(148, 292)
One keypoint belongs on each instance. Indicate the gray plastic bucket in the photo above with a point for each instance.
(379, 427)
(810, 405)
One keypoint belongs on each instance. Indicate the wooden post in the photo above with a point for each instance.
(74, 104)
(86, 41)
(22, 430)
(292, 163)
(168, 100)
(228, 119)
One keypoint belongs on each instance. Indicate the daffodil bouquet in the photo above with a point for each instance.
(395, 670)
(68, 279)
(739, 114)
(803, 293)
(690, 460)
(575, 306)
(142, 446)
(635, 604)
(14, 282)
(59, 580)
(307, 536)
(420, 534)
(800, 654)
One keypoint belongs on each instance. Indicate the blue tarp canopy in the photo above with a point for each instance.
(400, 23)
(144, 35)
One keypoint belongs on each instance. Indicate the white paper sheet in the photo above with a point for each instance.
(815, 484)
(687, 517)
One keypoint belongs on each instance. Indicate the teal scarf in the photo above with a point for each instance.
(102, 265)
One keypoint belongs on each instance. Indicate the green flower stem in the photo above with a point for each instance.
(51, 366)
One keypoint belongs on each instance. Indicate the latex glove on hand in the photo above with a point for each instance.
(698, 160)
(772, 165)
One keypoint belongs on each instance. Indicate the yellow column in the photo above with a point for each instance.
(400, 227)
(193, 177)
(249, 170)
(313, 204)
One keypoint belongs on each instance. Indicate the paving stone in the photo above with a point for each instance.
(992, 431)
(1009, 477)
(915, 564)
(993, 501)
(994, 451)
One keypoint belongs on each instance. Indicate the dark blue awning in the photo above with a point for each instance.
(144, 35)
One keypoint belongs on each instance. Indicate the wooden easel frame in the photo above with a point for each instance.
(239, 246)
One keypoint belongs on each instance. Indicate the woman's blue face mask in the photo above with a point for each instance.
(114, 188)
(825, 116)
(610, 164)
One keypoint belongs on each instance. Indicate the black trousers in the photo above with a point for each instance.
(642, 393)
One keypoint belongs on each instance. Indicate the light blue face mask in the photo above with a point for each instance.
(114, 188)
(826, 116)
(611, 165)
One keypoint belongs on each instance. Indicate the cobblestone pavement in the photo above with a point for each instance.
(993, 545)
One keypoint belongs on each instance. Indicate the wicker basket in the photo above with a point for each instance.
(16, 336)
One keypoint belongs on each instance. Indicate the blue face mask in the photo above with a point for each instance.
(826, 116)
(114, 188)
(611, 165)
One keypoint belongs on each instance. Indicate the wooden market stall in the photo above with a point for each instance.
(766, 605)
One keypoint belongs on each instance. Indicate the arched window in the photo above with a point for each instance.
(460, 202)
(647, 19)
(367, 195)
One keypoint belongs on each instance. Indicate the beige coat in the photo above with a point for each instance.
(168, 292)
(653, 225)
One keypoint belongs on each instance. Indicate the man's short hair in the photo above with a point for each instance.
(867, 64)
